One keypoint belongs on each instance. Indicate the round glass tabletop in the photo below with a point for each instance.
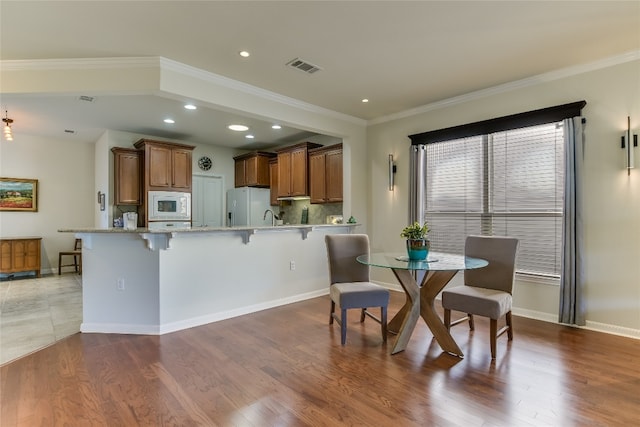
(436, 261)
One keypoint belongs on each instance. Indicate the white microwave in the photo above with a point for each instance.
(169, 206)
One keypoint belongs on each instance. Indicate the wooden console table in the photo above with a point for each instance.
(18, 254)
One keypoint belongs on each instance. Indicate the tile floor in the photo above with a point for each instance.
(34, 313)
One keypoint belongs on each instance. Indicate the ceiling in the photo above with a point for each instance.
(399, 55)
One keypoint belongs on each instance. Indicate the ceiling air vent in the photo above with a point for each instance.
(302, 65)
(86, 98)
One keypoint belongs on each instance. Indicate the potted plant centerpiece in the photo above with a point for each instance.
(417, 243)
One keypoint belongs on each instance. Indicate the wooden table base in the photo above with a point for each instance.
(420, 302)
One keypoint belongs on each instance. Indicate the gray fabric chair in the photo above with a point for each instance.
(349, 282)
(486, 291)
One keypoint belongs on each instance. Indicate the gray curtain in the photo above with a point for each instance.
(571, 282)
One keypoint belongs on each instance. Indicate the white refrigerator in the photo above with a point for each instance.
(247, 205)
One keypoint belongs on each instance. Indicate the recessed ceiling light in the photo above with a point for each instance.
(239, 128)
(276, 127)
(190, 107)
(169, 121)
(249, 136)
(244, 53)
(365, 100)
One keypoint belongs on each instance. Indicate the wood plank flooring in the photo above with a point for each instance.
(286, 367)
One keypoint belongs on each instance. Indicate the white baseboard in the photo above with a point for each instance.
(536, 315)
(119, 328)
(216, 317)
(592, 326)
(612, 329)
(553, 318)
(107, 328)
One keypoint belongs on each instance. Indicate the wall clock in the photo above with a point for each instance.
(205, 163)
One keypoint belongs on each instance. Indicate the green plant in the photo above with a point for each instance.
(415, 231)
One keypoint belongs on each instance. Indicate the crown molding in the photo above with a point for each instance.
(217, 79)
(170, 65)
(518, 84)
(78, 63)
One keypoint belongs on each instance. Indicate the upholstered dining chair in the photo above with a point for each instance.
(486, 291)
(349, 282)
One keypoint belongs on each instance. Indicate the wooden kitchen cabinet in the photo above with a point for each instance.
(273, 181)
(252, 169)
(20, 254)
(127, 179)
(293, 170)
(325, 174)
(167, 165)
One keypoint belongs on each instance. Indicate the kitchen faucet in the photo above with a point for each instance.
(273, 217)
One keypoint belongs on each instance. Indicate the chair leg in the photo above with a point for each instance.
(510, 330)
(343, 326)
(447, 319)
(75, 263)
(333, 309)
(493, 330)
(59, 264)
(362, 313)
(383, 322)
(471, 324)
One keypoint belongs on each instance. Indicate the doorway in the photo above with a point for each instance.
(207, 195)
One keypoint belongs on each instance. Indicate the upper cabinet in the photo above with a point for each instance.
(293, 170)
(167, 165)
(252, 169)
(127, 176)
(273, 181)
(325, 174)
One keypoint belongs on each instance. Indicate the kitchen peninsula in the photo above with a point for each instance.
(157, 281)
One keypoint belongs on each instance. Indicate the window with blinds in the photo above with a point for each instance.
(507, 183)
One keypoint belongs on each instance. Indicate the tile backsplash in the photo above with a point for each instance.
(317, 212)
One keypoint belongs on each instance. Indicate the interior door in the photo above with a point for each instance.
(207, 199)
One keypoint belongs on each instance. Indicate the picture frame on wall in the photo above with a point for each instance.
(17, 194)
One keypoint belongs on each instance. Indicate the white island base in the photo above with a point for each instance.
(147, 282)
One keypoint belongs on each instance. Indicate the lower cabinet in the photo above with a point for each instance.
(20, 254)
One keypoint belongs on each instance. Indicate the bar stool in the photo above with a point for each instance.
(76, 253)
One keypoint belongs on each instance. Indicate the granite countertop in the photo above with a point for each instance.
(205, 229)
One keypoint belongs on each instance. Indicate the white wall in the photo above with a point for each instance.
(612, 210)
(222, 158)
(612, 199)
(65, 174)
(200, 278)
(169, 78)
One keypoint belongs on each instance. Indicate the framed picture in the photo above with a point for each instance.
(18, 194)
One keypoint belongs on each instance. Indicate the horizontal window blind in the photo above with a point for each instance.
(506, 183)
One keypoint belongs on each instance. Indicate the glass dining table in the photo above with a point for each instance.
(438, 269)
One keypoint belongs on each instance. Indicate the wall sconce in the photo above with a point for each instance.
(101, 200)
(392, 171)
(628, 142)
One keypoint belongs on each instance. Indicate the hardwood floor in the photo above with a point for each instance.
(286, 367)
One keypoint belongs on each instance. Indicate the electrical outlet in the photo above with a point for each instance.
(120, 284)
(292, 265)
